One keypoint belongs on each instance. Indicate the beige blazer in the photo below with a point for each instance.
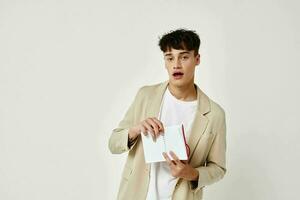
(207, 143)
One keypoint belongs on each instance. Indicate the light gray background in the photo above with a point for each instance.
(70, 69)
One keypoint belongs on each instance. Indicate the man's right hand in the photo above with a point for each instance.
(151, 124)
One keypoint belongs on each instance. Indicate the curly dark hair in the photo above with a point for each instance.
(180, 39)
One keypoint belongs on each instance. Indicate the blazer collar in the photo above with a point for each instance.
(200, 121)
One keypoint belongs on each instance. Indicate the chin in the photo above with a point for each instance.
(177, 83)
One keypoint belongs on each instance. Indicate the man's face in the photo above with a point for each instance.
(180, 65)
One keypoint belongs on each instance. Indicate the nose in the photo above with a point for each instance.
(177, 64)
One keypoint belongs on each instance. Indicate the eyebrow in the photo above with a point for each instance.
(183, 52)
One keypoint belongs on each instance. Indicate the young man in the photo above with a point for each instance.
(175, 101)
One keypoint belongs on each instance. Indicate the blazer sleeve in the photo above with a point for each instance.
(118, 141)
(215, 168)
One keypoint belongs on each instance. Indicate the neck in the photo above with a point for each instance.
(185, 93)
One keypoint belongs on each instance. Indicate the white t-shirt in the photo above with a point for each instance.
(172, 112)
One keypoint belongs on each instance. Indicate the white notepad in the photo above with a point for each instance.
(173, 139)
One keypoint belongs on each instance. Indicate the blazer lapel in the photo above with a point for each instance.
(200, 121)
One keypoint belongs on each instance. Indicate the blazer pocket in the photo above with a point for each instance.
(127, 172)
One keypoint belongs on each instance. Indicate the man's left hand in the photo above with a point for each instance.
(181, 169)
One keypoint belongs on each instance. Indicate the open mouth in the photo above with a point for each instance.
(177, 75)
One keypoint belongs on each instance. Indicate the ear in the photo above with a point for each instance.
(198, 59)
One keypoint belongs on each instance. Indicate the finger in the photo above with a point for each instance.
(143, 129)
(175, 158)
(148, 127)
(169, 161)
(154, 125)
(184, 161)
(159, 123)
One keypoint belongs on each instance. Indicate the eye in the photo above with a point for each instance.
(169, 59)
(185, 57)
